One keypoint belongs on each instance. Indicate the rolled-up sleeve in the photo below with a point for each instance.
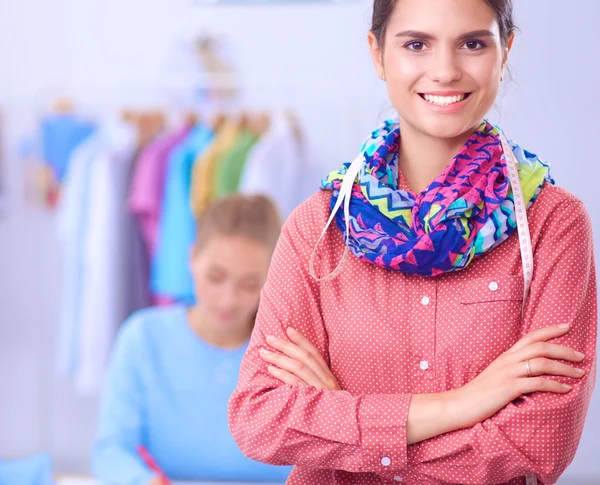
(300, 425)
(537, 434)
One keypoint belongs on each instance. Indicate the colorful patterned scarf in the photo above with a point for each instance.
(464, 213)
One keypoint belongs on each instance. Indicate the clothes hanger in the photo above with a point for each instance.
(260, 123)
(293, 120)
(147, 124)
(63, 105)
(218, 121)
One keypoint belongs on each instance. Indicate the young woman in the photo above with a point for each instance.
(173, 369)
(446, 333)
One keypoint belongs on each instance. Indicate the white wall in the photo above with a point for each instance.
(549, 109)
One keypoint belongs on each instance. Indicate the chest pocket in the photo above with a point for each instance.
(492, 308)
(492, 289)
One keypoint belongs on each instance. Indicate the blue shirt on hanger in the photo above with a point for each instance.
(168, 390)
(170, 274)
(61, 134)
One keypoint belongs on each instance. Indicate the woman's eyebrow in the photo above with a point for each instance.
(417, 34)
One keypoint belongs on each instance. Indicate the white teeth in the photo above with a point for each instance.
(444, 100)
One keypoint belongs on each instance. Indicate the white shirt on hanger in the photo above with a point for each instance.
(71, 214)
(275, 165)
(95, 230)
(105, 283)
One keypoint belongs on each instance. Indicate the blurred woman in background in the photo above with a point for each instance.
(173, 369)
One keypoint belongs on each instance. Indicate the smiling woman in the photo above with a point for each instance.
(420, 341)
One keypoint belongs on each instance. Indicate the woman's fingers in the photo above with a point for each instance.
(540, 335)
(301, 355)
(551, 351)
(541, 384)
(301, 341)
(292, 366)
(542, 366)
(283, 375)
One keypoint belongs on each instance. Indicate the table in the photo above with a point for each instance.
(90, 481)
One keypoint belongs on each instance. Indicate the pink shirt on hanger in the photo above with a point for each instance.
(146, 192)
(388, 335)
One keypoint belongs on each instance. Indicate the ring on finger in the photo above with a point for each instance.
(528, 368)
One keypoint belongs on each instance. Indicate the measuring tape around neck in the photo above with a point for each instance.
(521, 216)
(524, 235)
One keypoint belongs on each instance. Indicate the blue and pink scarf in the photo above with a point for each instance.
(465, 212)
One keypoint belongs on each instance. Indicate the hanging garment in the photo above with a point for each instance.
(229, 170)
(147, 186)
(71, 214)
(113, 283)
(105, 269)
(61, 135)
(275, 165)
(170, 274)
(205, 166)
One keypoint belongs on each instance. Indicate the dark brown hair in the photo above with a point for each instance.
(383, 9)
(253, 216)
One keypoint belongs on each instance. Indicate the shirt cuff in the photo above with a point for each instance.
(382, 421)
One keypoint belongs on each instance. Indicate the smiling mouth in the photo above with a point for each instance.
(444, 100)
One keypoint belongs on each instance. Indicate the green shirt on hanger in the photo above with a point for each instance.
(230, 167)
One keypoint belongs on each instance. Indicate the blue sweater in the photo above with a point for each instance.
(168, 390)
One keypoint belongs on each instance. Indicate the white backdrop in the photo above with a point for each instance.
(550, 109)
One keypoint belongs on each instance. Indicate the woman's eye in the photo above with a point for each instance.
(474, 45)
(415, 46)
(216, 278)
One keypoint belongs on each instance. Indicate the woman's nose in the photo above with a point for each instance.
(445, 68)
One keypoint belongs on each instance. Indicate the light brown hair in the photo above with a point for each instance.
(253, 216)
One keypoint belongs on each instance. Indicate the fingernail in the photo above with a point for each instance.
(271, 369)
(264, 352)
(564, 325)
(579, 372)
(271, 339)
(566, 386)
(293, 331)
(579, 355)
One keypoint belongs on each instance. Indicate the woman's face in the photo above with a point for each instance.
(229, 272)
(442, 62)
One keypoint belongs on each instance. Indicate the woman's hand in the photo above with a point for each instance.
(299, 361)
(509, 376)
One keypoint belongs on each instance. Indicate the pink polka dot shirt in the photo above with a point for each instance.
(388, 335)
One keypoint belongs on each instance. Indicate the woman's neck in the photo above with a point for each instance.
(423, 158)
(220, 336)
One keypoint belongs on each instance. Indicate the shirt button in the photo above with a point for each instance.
(398, 478)
(493, 286)
(424, 365)
(385, 461)
(425, 301)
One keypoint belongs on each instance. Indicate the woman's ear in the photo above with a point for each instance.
(376, 55)
(511, 39)
(507, 49)
(194, 251)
